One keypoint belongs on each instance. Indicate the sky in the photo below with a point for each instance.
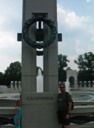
(75, 22)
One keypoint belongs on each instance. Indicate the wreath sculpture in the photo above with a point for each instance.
(33, 43)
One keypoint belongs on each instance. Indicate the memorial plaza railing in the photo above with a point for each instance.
(15, 86)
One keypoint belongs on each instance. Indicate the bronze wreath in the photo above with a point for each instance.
(33, 43)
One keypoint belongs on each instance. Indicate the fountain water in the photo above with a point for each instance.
(80, 96)
(40, 81)
(67, 86)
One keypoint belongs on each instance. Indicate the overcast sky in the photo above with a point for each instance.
(75, 22)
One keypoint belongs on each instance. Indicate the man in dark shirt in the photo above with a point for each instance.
(64, 107)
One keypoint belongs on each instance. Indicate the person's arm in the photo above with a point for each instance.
(69, 106)
(16, 115)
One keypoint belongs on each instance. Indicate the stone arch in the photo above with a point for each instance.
(72, 78)
(71, 81)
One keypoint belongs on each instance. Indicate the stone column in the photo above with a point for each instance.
(39, 109)
(50, 55)
(28, 69)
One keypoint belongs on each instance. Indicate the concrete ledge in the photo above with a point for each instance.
(7, 102)
(7, 110)
(87, 110)
(7, 126)
(78, 110)
(88, 125)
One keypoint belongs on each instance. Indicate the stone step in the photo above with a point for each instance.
(88, 125)
(7, 126)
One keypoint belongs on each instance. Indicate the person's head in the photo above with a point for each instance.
(62, 87)
(18, 103)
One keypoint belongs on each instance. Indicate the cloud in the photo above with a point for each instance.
(2, 21)
(77, 31)
(10, 25)
(78, 47)
(74, 27)
(78, 34)
(91, 30)
(70, 19)
(10, 50)
(11, 15)
(71, 63)
(88, 1)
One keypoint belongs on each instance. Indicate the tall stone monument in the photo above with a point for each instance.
(39, 32)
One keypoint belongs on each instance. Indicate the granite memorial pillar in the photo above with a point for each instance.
(39, 109)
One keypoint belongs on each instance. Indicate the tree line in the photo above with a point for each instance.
(12, 73)
(84, 61)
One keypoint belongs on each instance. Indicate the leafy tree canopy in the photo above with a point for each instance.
(13, 72)
(62, 67)
(62, 61)
(85, 61)
(1, 78)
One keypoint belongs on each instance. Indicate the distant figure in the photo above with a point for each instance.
(64, 107)
(18, 114)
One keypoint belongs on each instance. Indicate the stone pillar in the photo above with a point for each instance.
(50, 54)
(28, 69)
(39, 109)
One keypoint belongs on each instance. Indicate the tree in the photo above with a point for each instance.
(62, 66)
(85, 63)
(13, 73)
(1, 78)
